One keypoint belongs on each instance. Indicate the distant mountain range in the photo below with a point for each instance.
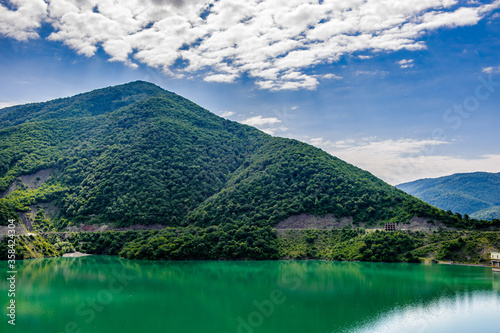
(136, 154)
(475, 194)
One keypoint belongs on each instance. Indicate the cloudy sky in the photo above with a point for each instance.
(404, 89)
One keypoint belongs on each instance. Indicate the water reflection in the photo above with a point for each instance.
(496, 281)
(467, 312)
(211, 296)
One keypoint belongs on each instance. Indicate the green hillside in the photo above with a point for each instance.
(137, 154)
(476, 194)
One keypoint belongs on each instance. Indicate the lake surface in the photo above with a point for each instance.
(108, 294)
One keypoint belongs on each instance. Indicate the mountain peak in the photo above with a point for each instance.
(139, 86)
(93, 103)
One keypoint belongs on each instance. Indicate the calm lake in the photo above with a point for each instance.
(108, 294)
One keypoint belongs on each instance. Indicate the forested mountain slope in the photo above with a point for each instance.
(476, 194)
(137, 154)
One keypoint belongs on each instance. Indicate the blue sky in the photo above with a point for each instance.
(403, 89)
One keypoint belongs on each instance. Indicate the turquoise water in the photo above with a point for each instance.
(108, 294)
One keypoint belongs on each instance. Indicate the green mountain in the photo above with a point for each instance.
(476, 194)
(137, 154)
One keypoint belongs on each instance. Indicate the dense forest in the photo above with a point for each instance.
(228, 242)
(231, 242)
(137, 154)
(32, 247)
(401, 246)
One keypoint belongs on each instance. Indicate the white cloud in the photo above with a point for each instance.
(275, 42)
(226, 114)
(491, 70)
(405, 63)
(259, 121)
(7, 104)
(273, 130)
(329, 76)
(220, 78)
(21, 23)
(269, 125)
(376, 72)
(403, 160)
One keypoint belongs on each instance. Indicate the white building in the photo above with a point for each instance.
(495, 261)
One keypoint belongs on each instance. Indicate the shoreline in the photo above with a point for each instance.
(75, 255)
(429, 262)
(81, 254)
(78, 254)
(463, 264)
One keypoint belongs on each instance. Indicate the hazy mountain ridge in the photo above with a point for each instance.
(476, 194)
